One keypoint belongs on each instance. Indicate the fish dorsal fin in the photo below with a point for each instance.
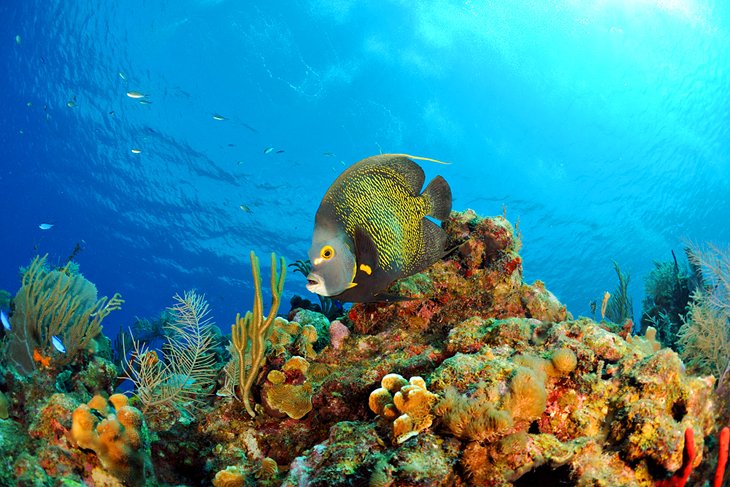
(411, 172)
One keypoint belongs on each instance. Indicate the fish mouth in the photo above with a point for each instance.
(314, 282)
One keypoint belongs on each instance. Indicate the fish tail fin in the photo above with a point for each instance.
(438, 194)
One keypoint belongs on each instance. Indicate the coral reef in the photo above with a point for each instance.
(506, 388)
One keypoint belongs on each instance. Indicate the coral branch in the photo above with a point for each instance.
(722, 456)
(250, 332)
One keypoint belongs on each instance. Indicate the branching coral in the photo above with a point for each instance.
(620, 306)
(57, 303)
(250, 332)
(187, 370)
(667, 292)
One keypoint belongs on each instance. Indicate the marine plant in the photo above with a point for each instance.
(620, 307)
(55, 303)
(667, 288)
(704, 338)
(250, 332)
(186, 371)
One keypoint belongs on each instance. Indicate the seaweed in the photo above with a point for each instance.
(668, 289)
(620, 307)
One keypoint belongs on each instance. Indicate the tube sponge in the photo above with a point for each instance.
(119, 440)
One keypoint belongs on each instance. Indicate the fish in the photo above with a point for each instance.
(328, 154)
(280, 151)
(45, 226)
(145, 102)
(219, 117)
(123, 76)
(58, 344)
(136, 151)
(135, 95)
(5, 319)
(371, 229)
(268, 150)
(18, 39)
(245, 208)
(70, 103)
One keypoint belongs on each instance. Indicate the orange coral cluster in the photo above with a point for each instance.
(406, 402)
(118, 439)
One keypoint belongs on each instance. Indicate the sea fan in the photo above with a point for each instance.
(186, 372)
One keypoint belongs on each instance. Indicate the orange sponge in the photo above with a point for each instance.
(119, 440)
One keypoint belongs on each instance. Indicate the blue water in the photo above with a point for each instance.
(603, 126)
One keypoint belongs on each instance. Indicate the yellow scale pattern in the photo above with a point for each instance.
(394, 222)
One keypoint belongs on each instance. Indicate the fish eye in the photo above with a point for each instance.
(327, 252)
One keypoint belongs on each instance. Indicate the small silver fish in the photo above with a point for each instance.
(58, 344)
(18, 39)
(328, 154)
(280, 151)
(135, 95)
(45, 226)
(245, 208)
(5, 319)
(136, 151)
(123, 76)
(268, 150)
(145, 102)
(70, 103)
(219, 117)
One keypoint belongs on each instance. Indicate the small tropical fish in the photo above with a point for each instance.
(371, 228)
(123, 76)
(268, 150)
(45, 226)
(58, 344)
(70, 103)
(145, 102)
(18, 39)
(5, 319)
(219, 117)
(245, 208)
(280, 151)
(328, 154)
(135, 94)
(136, 151)
(240, 163)
(29, 104)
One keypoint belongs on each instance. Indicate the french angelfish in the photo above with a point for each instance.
(371, 229)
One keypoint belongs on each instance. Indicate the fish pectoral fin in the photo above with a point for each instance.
(351, 285)
(365, 251)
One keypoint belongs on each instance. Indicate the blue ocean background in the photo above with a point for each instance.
(602, 126)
